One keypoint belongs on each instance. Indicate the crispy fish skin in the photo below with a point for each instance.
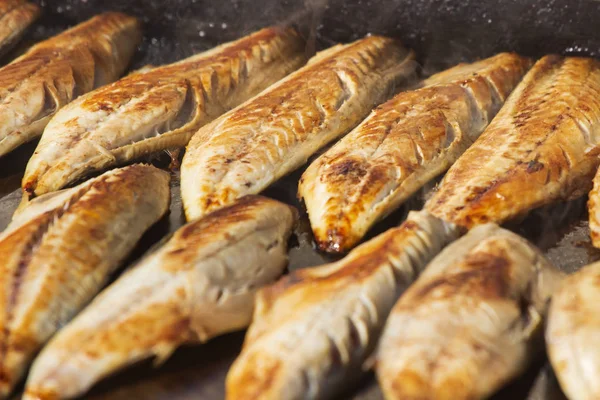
(61, 249)
(572, 334)
(541, 147)
(403, 144)
(15, 17)
(312, 331)
(471, 322)
(158, 108)
(247, 149)
(594, 211)
(200, 284)
(52, 73)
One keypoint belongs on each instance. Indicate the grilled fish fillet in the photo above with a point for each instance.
(52, 73)
(542, 146)
(594, 211)
(471, 322)
(313, 330)
(403, 144)
(60, 250)
(15, 17)
(158, 108)
(572, 334)
(200, 284)
(247, 149)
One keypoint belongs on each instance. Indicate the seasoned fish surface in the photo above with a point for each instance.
(594, 211)
(60, 250)
(403, 144)
(158, 108)
(247, 149)
(200, 284)
(541, 147)
(52, 73)
(572, 334)
(15, 17)
(313, 330)
(471, 322)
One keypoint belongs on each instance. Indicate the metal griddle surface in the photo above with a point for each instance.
(177, 28)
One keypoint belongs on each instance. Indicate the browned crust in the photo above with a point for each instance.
(360, 266)
(485, 274)
(32, 247)
(216, 224)
(153, 317)
(111, 97)
(339, 310)
(72, 63)
(571, 333)
(18, 11)
(309, 108)
(55, 71)
(262, 372)
(369, 54)
(15, 17)
(538, 149)
(448, 120)
(88, 48)
(503, 280)
(196, 90)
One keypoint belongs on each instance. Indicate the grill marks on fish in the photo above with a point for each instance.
(52, 73)
(161, 108)
(541, 147)
(59, 251)
(339, 310)
(15, 17)
(278, 130)
(191, 289)
(572, 332)
(400, 146)
(471, 322)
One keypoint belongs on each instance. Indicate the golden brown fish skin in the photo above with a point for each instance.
(52, 73)
(247, 149)
(158, 108)
(199, 284)
(313, 330)
(594, 211)
(572, 334)
(403, 144)
(61, 249)
(15, 17)
(471, 322)
(541, 147)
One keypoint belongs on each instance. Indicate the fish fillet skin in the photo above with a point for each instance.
(198, 285)
(60, 251)
(594, 211)
(247, 149)
(572, 334)
(54, 72)
(313, 330)
(15, 17)
(158, 108)
(471, 322)
(403, 144)
(541, 147)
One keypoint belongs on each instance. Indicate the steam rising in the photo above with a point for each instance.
(443, 32)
